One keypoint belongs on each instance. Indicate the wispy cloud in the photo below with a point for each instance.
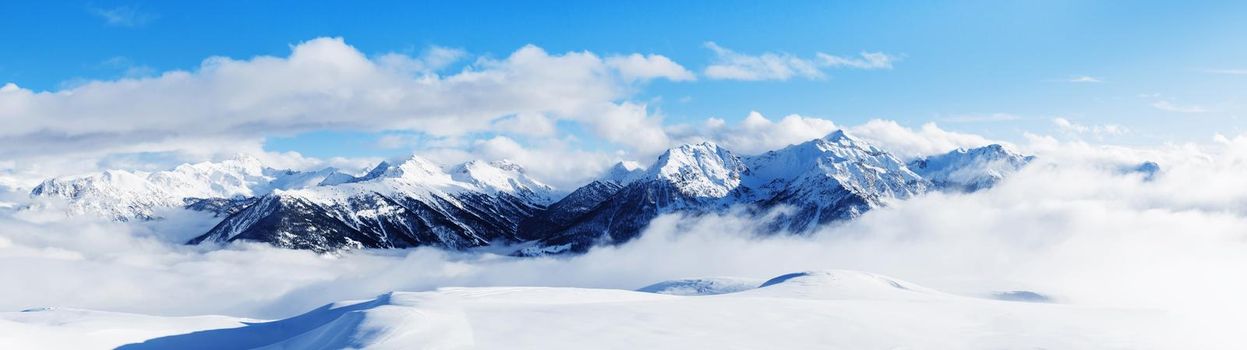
(1227, 71)
(127, 67)
(1098, 130)
(1077, 79)
(1084, 79)
(1166, 105)
(123, 16)
(865, 60)
(981, 118)
(732, 65)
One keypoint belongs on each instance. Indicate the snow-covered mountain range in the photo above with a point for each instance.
(123, 195)
(415, 202)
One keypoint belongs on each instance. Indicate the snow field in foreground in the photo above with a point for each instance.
(825, 309)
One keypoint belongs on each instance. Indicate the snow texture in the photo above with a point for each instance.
(820, 309)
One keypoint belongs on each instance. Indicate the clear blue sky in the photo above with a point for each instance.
(1165, 68)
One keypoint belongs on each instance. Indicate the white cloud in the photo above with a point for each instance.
(529, 124)
(227, 106)
(431, 61)
(644, 67)
(731, 65)
(123, 16)
(755, 134)
(556, 162)
(1166, 105)
(866, 60)
(982, 118)
(909, 143)
(630, 124)
(1097, 130)
(1227, 71)
(1084, 79)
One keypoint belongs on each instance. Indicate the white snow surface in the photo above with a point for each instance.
(823, 309)
(702, 286)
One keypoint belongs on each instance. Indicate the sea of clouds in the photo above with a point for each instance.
(1076, 226)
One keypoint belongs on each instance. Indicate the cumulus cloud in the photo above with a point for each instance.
(910, 143)
(433, 60)
(643, 67)
(755, 134)
(529, 124)
(228, 104)
(555, 161)
(630, 124)
(732, 65)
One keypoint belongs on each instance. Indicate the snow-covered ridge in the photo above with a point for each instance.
(853, 163)
(624, 172)
(970, 169)
(123, 195)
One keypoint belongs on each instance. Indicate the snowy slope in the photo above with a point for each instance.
(824, 310)
(67, 328)
(702, 286)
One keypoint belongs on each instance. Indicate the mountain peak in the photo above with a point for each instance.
(838, 135)
(503, 176)
(836, 160)
(970, 169)
(413, 167)
(700, 170)
(623, 172)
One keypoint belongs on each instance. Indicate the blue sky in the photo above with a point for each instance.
(1164, 71)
